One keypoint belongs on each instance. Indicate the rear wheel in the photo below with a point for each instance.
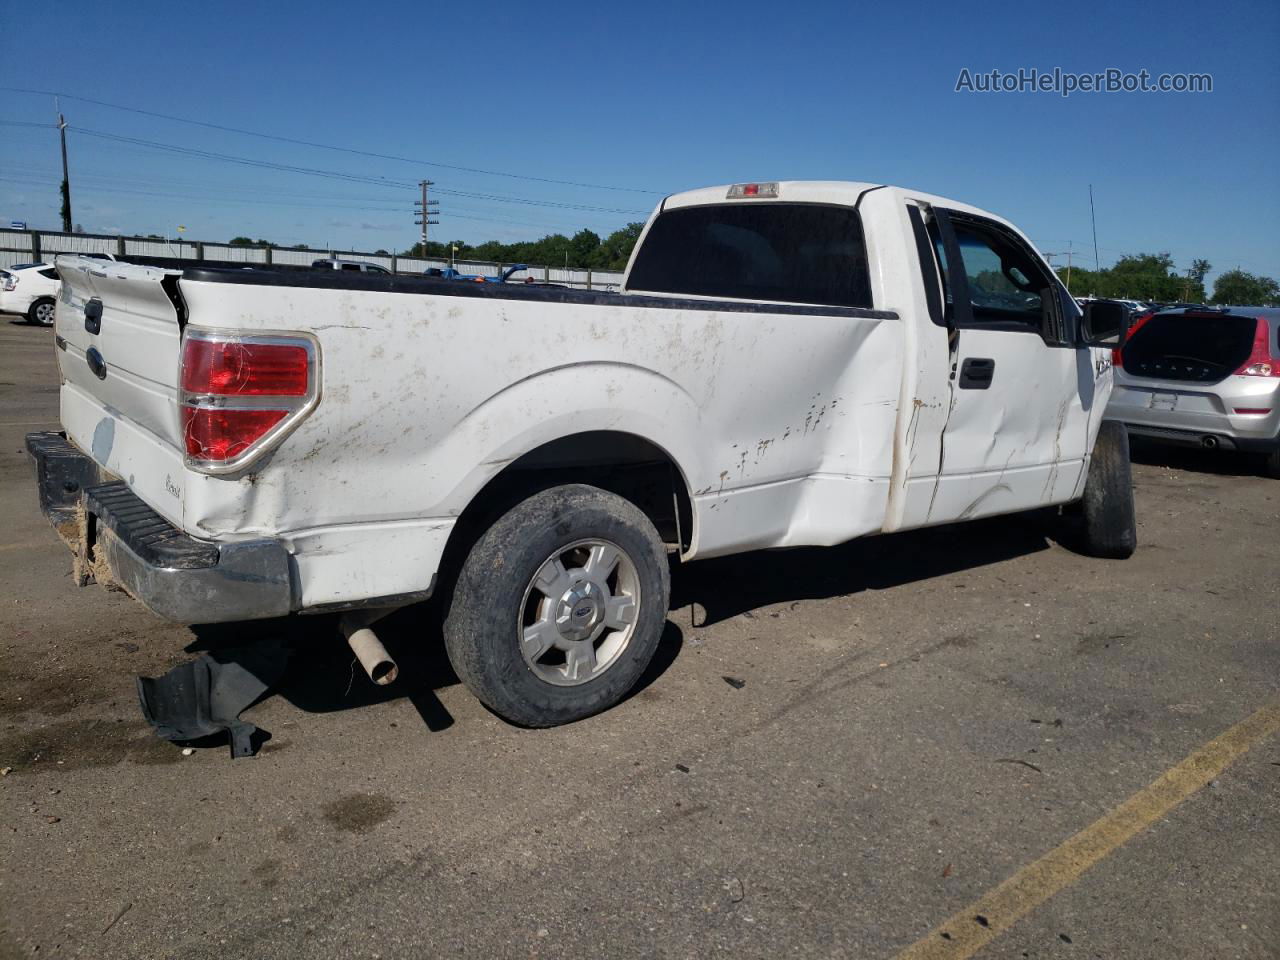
(41, 312)
(1109, 525)
(559, 606)
(1271, 465)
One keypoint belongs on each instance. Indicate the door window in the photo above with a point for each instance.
(1005, 284)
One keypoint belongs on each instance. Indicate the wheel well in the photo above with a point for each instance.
(621, 463)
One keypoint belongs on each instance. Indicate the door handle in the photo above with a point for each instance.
(976, 373)
(93, 316)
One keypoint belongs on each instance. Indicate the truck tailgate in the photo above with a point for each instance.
(120, 339)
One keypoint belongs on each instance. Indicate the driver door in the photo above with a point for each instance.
(1017, 430)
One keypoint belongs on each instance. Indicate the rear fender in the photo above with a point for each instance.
(560, 402)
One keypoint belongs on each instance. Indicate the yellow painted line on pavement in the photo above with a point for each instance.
(963, 935)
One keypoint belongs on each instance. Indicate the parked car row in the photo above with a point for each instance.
(31, 289)
(443, 273)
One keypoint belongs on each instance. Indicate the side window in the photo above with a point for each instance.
(51, 273)
(1006, 283)
(351, 266)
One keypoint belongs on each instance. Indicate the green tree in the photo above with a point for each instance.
(1242, 289)
(616, 249)
(1198, 270)
(1140, 276)
(240, 242)
(583, 248)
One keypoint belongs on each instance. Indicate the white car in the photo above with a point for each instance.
(788, 364)
(30, 289)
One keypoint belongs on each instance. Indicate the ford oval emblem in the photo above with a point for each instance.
(96, 363)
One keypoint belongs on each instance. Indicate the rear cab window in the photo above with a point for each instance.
(781, 252)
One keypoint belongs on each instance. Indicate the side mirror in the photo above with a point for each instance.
(1104, 324)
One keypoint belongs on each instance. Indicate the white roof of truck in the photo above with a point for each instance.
(818, 191)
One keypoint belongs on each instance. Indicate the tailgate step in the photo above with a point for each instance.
(145, 532)
(63, 473)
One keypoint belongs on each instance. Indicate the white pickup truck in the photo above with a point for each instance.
(789, 363)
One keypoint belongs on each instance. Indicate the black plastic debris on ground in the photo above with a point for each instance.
(205, 697)
(734, 682)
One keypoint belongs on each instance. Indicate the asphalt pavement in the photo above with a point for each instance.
(846, 752)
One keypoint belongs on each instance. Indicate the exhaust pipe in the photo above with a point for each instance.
(369, 650)
(1209, 443)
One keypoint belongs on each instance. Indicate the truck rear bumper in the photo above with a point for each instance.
(118, 539)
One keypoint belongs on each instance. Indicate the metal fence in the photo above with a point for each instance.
(33, 246)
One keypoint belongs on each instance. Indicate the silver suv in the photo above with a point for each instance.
(336, 263)
(1206, 378)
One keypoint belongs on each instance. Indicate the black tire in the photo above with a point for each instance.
(1271, 465)
(489, 604)
(1108, 521)
(41, 307)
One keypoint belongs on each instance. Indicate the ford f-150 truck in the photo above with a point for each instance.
(787, 364)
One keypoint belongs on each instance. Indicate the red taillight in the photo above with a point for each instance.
(219, 435)
(1260, 362)
(1142, 318)
(239, 392)
(244, 368)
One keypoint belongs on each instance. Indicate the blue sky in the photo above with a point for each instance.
(650, 97)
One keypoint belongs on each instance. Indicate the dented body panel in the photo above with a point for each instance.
(786, 425)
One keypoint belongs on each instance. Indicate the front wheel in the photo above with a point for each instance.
(1109, 520)
(559, 606)
(41, 312)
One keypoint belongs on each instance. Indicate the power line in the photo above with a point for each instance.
(329, 146)
(247, 161)
(204, 189)
(455, 213)
(336, 174)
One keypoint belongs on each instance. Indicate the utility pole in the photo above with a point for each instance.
(1094, 220)
(426, 209)
(1049, 257)
(66, 180)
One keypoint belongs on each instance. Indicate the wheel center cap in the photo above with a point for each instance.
(579, 610)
